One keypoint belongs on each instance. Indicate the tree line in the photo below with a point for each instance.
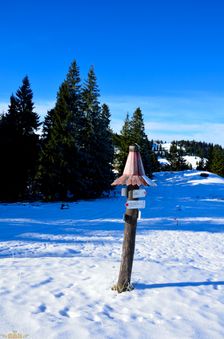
(71, 159)
(212, 156)
(74, 154)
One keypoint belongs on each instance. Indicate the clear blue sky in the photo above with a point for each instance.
(165, 56)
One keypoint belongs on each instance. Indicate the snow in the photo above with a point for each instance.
(166, 146)
(190, 160)
(58, 266)
(163, 161)
(193, 160)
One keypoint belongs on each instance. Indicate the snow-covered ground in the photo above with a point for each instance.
(190, 160)
(166, 146)
(193, 160)
(163, 161)
(58, 266)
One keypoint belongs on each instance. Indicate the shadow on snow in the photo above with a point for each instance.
(215, 284)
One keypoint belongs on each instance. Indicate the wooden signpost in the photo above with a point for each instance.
(133, 177)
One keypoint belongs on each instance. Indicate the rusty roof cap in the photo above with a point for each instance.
(134, 173)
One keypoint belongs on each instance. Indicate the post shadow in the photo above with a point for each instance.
(142, 286)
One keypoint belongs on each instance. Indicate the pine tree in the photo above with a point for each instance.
(91, 147)
(47, 125)
(201, 166)
(77, 152)
(122, 143)
(20, 147)
(133, 132)
(178, 163)
(106, 149)
(73, 81)
(138, 136)
(216, 160)
(59, 173)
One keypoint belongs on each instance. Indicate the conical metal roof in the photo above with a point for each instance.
(134, 173)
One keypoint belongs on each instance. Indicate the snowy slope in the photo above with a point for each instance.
(166, 146)
(193, 160)
(190, 160)
(163, 161)
(57, 266)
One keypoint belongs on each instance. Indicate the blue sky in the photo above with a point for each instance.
(165, 56)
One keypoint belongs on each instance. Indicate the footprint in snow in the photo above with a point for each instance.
(58, 294)
(69, 285)
(64, 312)
(106, 311)
(44, 282)
(4, 291)
(41, 309)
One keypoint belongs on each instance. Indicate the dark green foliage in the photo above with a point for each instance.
(153, 161)
(59, 172)
(19, 145)
(212, 158)
(216, 160)
(175, 157)
(97, 149)
(133, 132)
(139, 137)
(74, 157)
(47, 125)
(77, 151)
(207, 151)
(202, 165)
(195, 148)
(107, 149)
(90, 150)
(122, 141)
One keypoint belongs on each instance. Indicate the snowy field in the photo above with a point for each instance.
(58, 266)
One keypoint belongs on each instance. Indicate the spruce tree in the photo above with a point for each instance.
(59, 173)
(138, 136)
(122, 142)
(20, 151)
(91, 146)
(77, 152)
(73, 81)
(178, 163)
(106, 149)
(133, 132)
(216, 160)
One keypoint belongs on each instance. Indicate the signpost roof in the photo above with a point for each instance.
(134, 173)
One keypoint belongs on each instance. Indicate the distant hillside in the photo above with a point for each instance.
(183, 154)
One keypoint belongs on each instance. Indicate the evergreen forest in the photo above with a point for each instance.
(74, 154)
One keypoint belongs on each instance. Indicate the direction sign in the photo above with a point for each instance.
(132, 204)
(139, 193)
(124, 192)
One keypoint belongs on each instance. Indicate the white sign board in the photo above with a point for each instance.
(139, 193)
(124, 192)
(132, 204)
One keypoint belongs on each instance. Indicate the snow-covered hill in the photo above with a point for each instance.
(190, 160)
(193, 160)
(57, 266)
(163, 162)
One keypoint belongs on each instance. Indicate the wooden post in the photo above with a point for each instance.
(131, 216)
(133, 177)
